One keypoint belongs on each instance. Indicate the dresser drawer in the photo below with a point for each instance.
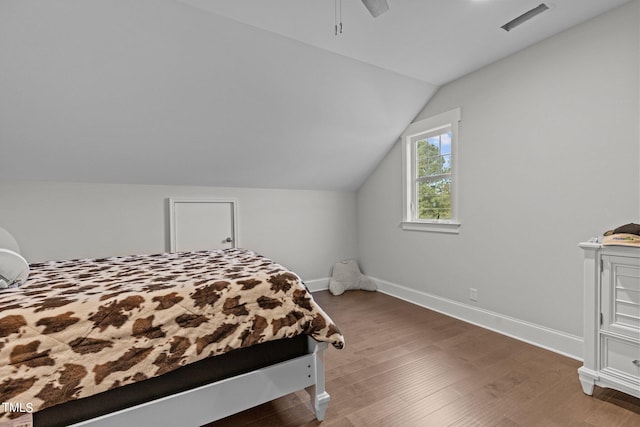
(621, 358)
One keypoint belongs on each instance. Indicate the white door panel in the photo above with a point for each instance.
(202, 224)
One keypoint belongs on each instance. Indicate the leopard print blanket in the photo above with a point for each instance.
(80, 327)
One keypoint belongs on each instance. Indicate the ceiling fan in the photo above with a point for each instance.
(376, 7)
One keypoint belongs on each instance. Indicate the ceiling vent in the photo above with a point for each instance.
(525, 17)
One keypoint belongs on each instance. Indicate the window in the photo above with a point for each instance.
(429, 154)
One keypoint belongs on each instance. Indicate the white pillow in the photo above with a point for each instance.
(14, 269)
(7, 241)
(346, 276)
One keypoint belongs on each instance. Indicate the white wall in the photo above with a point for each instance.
(549, 156)
(307, 231)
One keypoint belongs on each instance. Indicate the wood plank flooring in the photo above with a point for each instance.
(404, 365)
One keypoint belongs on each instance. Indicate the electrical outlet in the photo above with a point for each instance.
(473, 294)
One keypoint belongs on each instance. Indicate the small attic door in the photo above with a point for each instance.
(197, 224)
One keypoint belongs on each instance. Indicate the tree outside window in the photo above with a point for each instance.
(433, 177)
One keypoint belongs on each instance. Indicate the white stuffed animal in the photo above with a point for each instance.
(347, 276)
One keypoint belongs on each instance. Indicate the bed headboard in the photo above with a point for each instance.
(7, 241)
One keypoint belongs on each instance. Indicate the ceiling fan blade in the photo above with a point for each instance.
(376, 7)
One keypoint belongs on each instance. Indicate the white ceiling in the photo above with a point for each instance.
(435, 41)
(162, 92)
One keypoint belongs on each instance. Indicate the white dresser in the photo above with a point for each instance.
(611, 318)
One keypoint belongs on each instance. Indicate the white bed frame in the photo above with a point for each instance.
(220, 399)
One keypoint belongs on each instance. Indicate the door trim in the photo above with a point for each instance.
(172, 220)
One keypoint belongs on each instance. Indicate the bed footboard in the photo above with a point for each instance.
(220, 399)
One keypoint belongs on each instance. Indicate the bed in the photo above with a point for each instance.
(170, 339)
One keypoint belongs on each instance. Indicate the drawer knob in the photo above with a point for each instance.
(637, 363)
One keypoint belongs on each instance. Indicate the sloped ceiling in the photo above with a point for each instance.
(157, 92)
(161, 92)
(435, 41)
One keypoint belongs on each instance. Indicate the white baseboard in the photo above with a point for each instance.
(541, 336)
(317, 284)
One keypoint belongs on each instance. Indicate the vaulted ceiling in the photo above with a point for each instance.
(435, 41)
(250, 93)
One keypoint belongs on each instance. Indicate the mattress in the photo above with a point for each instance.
(81, 327)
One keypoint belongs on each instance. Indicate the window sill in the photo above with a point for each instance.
(434, 227)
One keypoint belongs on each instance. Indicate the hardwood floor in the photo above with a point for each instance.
(404, 365)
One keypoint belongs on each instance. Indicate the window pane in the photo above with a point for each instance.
(434, 141)
(446, 143)
(422, 158)
(434, 199)
(434, 155)
(446, 163)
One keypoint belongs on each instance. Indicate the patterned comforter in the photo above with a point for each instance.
(81, 327)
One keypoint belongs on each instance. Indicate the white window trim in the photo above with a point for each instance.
(448, 118)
